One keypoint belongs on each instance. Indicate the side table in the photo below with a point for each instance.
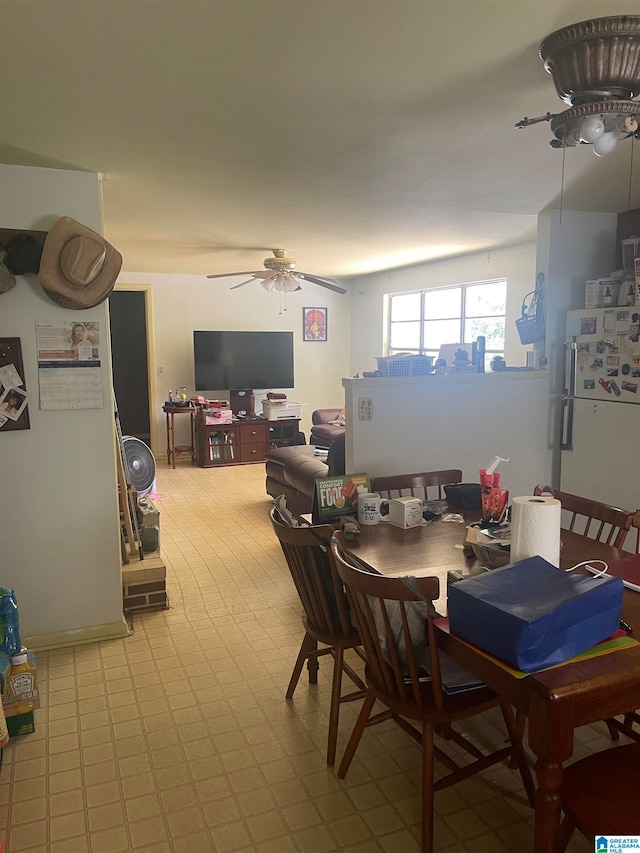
(174, 449)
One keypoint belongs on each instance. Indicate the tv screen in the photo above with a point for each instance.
(231, 361)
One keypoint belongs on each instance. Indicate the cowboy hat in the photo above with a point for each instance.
(7, 279)
(78, 267)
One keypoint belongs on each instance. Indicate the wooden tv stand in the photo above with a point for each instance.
(242, 441)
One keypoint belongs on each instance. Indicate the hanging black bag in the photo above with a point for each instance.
(530, 324)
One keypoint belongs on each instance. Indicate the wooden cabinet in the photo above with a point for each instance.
(242, 441)
(253, 441)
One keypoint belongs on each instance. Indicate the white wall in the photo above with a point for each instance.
(183, 303)
(59, 524)
(516, 264)
(431, 423)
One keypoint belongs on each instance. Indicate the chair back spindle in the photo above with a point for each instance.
(427, 485)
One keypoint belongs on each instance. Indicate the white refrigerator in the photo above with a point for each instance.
(600, 439)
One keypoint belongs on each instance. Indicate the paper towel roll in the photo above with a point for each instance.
(535, 529)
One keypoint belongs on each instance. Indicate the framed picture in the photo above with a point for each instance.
(314, 324)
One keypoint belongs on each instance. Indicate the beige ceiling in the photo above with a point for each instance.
(359, 134)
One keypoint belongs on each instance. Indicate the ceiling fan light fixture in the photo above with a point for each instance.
(278, 276)
(595, 67)
(283, 282)
(591, 129)
(605, 145)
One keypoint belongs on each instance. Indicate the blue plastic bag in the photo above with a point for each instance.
(532, 615)
(10, 643)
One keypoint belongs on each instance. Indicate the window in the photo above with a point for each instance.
(422, 321)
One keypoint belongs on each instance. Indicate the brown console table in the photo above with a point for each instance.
(241, 441)
(174, 449)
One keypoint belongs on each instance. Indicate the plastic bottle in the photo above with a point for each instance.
(10, 643)
(482, 341)
(21, 682)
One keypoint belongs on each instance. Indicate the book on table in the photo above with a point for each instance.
(628, 569)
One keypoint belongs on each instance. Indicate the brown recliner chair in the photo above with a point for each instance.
(293, 471)
(323, 432)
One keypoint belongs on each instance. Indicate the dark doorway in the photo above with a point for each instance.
(127, 310)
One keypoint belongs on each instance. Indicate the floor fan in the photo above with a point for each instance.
(141, 465)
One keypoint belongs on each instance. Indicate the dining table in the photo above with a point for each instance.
(557, 700)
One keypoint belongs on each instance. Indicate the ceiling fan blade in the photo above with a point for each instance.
(322, 281)
(242, 283)
(265, 273)
(227, 274)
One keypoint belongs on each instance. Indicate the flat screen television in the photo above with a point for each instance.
(232, 361)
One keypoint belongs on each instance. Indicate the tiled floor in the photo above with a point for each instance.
(178, 739)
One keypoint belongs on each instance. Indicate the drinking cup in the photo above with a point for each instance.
(369, 508)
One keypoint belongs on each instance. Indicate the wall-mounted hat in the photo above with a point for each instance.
(78, 267)
(7, 279)
(23, 254)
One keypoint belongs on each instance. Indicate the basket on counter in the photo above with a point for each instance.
(490, 556)
(404, 365)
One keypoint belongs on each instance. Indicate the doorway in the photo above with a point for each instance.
(131, 336)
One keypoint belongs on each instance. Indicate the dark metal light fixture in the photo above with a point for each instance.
(595, 67)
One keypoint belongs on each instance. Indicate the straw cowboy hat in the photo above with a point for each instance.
(7, 278)
(78, 267)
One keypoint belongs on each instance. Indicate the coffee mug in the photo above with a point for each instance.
(369, 508)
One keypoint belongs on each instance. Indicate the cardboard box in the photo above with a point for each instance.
(21, 724)
(215, 416)
(405, 512)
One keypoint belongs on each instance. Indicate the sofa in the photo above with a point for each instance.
(293, 471)
(323, 431)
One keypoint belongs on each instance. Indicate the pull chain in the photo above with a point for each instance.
(633, 141)
(564, 151)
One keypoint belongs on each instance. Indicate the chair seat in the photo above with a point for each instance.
(457, 706)
(600, 792)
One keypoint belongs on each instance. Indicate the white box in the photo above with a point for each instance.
(405, 512)
(278, 410)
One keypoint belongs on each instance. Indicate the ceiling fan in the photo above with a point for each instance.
(278, 275)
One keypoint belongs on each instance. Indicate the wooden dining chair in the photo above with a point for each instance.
(394, 633)
(634, 522)
(325, 615)
(594, 520)
(600, 795)
(625, 726)
(426, 485)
